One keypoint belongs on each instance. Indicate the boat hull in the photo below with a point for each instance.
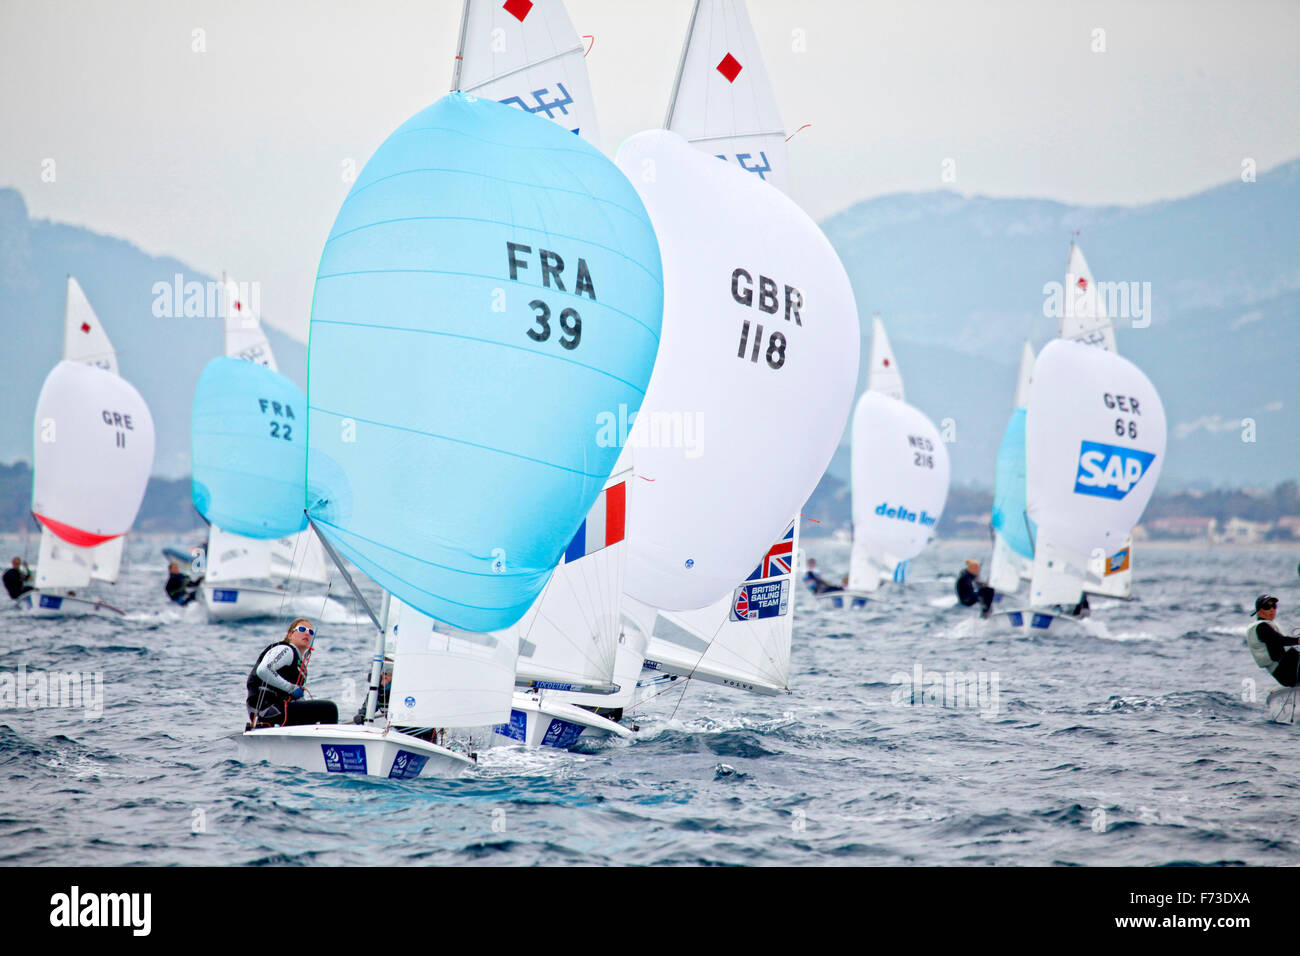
(535, 723)
(53, 604)
(351, 749)
(842, 599)
(237, 603)
(1036, 620)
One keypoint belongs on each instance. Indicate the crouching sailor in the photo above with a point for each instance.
(276, 683)
(1273, 650)
(971, 591)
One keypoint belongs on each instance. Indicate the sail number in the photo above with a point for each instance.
(120, 421)
(277, 411)
(1124, 403)
(551, 267)
(922, 451)
(764, 297)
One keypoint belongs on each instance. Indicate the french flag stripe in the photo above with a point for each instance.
(578, 546)
(615, 513)
(595, 525)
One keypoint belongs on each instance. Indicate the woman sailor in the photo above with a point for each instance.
(1273, 650)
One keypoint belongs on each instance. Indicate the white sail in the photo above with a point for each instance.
(84, 339)
(94, 451)
(525, 53)
(106, 560)
(1083, 315)
(62, 565)
(722, 100)
(757, 308)
(243, 324)
(570, 636)
(299, 557)
(446, 677)
(742, 640)
(900, 474)
(1111, 575)
(883, 376)
(232, 557)
(1094, 443)
(1007, 567)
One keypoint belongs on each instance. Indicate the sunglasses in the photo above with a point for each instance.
(303, 629)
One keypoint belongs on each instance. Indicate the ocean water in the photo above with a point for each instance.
(1139, 737)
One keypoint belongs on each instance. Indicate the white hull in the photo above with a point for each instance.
(351, 749)
(1037, 620)
(239, 602)
(53, 604)
(847, 598)
(1282, 705)
(535, 722)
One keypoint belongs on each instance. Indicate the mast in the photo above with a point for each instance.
(460, 48)
(681, 65)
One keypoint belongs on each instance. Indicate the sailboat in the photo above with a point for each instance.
(1095, 438)
(1013, 533)
(757, 308)
(491, 285)
(247, 419)
(900, 475)
(94, 452)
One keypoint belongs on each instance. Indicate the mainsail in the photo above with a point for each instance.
(94, 450)
(722, 100)
(900, 474)
(244, 337)
(1083, 313)
(525, 53)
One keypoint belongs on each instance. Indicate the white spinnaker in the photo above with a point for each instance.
(757, 308)
(1083, 316)
(722, 100)
(900, 474)
(527, 55)
(1007, 568)
(446, 677)
(883, 376)
(719, 645)
(244, 336)
(571, 633)
(84, 339)
(94, 451)
(1094, 445)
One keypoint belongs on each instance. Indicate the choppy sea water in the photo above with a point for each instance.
(1132, 739)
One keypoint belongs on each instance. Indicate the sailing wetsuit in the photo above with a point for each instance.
(16, 582)
(1275, 652)
(279, 672)
(180, 588)
(970, 592)
(817, 585)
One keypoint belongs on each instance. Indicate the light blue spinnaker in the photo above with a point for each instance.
(490, 292)
(248, 447)
(1009, 516)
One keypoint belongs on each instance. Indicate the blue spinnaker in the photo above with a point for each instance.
(1009, 516)
(248, 447)
(490, 294)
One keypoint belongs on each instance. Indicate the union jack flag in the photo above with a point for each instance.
(779, 559)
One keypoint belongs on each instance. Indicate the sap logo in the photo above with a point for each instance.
(1107, 471)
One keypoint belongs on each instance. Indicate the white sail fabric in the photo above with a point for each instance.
(106, 559)
(1094, 445)
(742, 640)
(299, 557)
(883, 376)
(1007, 568)
(757, 308)
(570, 636)
(900, 474)
(1083, 315)
(94, 451)
(62, 565)
(525, 53)
(1111, 575)
(84, 339)
(244, 336)
(1058, 573)
(446, 677)
(722, 100)
(232, 557)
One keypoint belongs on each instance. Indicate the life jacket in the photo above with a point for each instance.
(1258, 649)
(260, 693)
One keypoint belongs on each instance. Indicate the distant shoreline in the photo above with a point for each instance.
(975, 544)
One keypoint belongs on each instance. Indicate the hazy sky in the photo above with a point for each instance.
(232, 158)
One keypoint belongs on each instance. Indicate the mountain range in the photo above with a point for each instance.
(957, 280)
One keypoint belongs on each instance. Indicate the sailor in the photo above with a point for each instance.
(17, 579)
(970, 591)
(815, 582)
(1273, 650)
(1082, 609)
(276, 682)
(180, 588)
(381, 706)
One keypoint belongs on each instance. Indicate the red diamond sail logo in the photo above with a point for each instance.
(1082, 284)
(518, 8)
(85, 327)
(237, 307)
(730, 68)
(886, 361)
